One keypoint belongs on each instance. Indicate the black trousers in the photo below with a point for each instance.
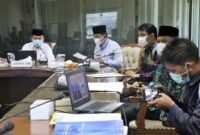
(131, 109)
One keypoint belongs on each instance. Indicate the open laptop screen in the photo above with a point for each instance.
(78, 87)
(24, 54)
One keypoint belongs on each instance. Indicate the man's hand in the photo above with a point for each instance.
(130, 73)
(163, 102)
(100, 60)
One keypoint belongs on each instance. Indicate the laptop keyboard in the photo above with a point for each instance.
(96, 105)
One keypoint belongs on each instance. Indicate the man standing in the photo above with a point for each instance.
(181, 59)
(106, 50)
(44, 52)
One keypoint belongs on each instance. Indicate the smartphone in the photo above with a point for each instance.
(150, 94)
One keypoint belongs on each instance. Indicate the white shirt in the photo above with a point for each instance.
(44, 52)
(111, 54)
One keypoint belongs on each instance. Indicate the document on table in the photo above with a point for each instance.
(101, 75)
(100, 117)
(80, 56)
(106, 86)
(68, 117)
(114, 127)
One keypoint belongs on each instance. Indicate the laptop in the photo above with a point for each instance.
(80, 96)
(19, 55)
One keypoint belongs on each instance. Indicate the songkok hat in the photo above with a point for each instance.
(168, 31)
(37, 32)
(100, 29)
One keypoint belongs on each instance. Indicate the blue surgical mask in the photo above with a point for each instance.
(179, 79)
(38, 43)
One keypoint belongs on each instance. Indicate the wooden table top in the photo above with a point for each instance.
(23, 124)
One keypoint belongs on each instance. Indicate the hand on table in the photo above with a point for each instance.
(100, 60)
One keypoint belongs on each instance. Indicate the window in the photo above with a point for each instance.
(103, 18)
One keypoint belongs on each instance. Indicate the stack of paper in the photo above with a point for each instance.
(67, 117)
(88, 124)
(79, 56)
(100, 75)
(107, 86)
(114, 127)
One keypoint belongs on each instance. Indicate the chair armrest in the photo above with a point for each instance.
(167, 124)
(140, 119)
(134, 99)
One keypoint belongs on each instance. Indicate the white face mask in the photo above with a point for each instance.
(98, 41)
(142, 41)
(160, 47)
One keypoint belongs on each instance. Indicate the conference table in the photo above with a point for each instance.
(40, 85)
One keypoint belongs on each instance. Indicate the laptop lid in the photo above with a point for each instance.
(24, 54)
(78, 87)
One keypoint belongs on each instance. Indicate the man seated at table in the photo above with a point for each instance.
(44, 52)
(181, 59)
(147, 34)
(166, 34)
(107, 51)
(162, 78)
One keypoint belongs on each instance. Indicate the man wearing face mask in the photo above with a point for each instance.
(147, 34)
(181, 59)
(44, 52)
(106, 51)
(165, 35)
(162, 78)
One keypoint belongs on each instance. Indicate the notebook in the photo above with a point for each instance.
(19, 55)
(80, 96)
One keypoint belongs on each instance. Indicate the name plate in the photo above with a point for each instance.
(21, 64)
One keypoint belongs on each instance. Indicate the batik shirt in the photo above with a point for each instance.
(149, 64)
(163, 78)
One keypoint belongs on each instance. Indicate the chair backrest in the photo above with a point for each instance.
(131, 57)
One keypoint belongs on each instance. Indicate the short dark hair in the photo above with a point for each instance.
(149, 28)
(179, 51)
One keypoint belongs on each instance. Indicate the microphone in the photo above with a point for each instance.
(59, 97)
(6, 128)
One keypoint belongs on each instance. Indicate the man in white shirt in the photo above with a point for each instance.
(106, 50)
(44, 52)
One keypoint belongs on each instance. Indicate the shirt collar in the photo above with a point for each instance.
(150, 48)
(103, 46)
(195, 79)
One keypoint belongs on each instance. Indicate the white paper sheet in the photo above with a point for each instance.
(107, 86)
(67, 117)
(102, 75)
(80, 56)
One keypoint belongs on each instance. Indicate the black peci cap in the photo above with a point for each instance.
(168, 31)
(100, 29)
(37, 32)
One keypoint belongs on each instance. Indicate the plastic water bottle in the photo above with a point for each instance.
(11, 57)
